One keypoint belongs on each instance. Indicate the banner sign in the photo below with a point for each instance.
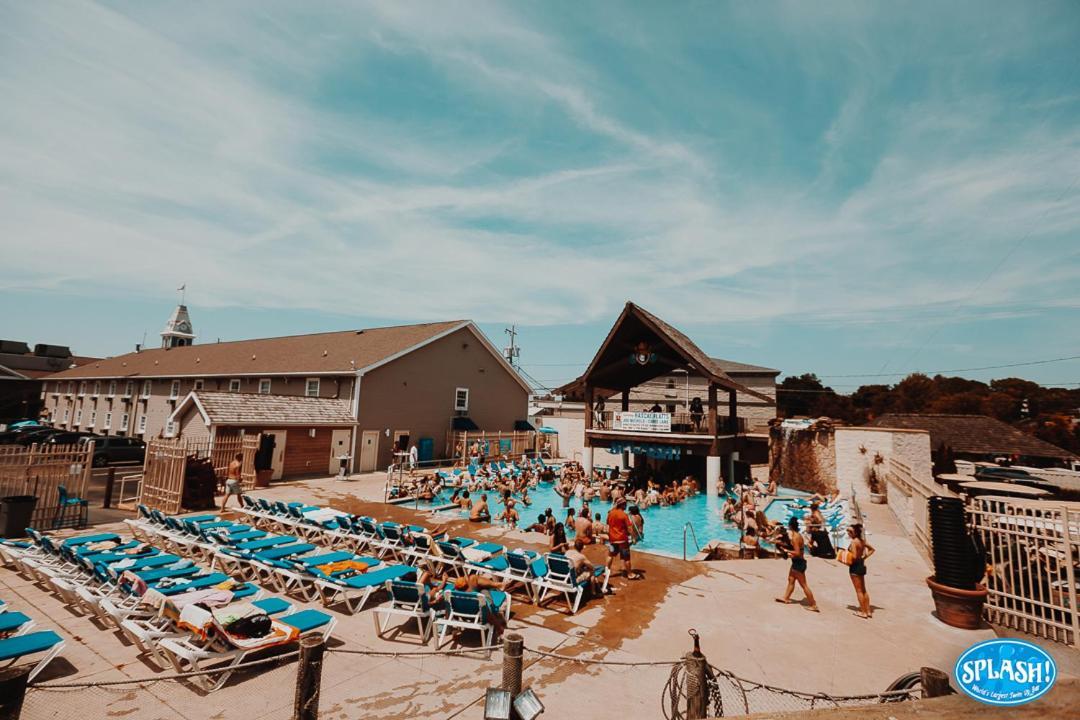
(643, 421)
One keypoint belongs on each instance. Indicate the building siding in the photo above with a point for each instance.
(416, 393)
(192, 427)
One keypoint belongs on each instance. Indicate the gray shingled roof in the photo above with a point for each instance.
(975, 434)
(224, 408)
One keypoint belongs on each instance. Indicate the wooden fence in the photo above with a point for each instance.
(513, 444)
(1034, 549)
(40, 470)
(162, 484)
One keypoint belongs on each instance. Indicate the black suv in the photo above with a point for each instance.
(109, 450)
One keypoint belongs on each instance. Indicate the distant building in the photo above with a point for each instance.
(322, 395)
(977, 438)
(21, 370)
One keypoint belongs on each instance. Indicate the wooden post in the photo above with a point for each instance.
(625, 400)
(934, 683)
(588, 413)
(110, 480)
(733, 412)
(513, 645)
(697, 686)
(13, 690)
(714, 442)
(309, 678)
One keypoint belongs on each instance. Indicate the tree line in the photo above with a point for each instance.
(1045, 412)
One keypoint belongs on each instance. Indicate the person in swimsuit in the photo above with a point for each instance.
(232, 481)
(797, 573)
(860, 550)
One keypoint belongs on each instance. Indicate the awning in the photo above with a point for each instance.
(549, 430)
(523, 426)
(463, 423)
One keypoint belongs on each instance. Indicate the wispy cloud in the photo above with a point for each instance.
(416, 161)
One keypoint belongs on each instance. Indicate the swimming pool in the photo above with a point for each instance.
(663, 525)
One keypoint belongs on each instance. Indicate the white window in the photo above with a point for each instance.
(78, 417)
(129, 388)
(146, 388)
(311, 389)
(234, 385)
(108, 421)
(82, 388)
(93, 418)
(174, 390)
(461, 400)
(97, 388)
(142, 423)
(124, 422)
(112, 388)
(198, 384)
(264, 386)
(170, 428)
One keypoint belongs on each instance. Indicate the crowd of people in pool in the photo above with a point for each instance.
(510, 483)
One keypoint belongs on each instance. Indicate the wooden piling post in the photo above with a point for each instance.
(697, 686)
(513, 650)
(309, 678)
(935, 683)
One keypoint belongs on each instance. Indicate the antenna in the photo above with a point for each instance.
(512, 351)
(183, 292)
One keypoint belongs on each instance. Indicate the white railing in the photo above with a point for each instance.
(1033, 548)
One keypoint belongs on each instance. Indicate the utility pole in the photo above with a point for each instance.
(512, 351)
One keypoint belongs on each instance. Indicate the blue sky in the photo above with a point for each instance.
(832, 187)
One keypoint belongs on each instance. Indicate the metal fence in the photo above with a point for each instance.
(1033, 548)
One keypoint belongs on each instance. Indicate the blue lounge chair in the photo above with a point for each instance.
(45, 641)
(561, 578)
(13, 624)
(409, 600)
(471, 611)
(355, 591)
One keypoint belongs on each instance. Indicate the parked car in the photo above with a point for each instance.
(72, 437)
(112, 449)
(9, 437)
(36, 436)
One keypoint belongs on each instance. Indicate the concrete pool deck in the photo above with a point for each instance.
(730, 603)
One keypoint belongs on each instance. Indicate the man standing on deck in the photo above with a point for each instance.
(797, 573)
(620, 533)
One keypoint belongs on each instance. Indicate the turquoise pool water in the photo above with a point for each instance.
(663, 525)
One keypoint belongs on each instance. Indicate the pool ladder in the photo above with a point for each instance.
(689, 526)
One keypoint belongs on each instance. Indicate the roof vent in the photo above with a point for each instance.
(252, 357)
(324, 353)
(359, 332)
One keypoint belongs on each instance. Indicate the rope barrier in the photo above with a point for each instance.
(415, 653)
(589, 661)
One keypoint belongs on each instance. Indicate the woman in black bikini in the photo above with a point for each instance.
(860, 550)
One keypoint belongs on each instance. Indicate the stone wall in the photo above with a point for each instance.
(803, 459)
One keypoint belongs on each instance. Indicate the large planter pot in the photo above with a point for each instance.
(878, 498)
(956, 607)
(262, 478)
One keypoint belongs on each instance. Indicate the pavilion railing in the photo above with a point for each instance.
(681, 422)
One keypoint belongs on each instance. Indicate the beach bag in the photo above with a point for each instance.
(845, 556)
(250, 626)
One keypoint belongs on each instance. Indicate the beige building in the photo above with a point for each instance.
(377, 386)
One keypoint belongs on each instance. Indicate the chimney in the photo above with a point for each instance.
(138, 347)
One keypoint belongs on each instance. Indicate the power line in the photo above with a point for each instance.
(971, 369)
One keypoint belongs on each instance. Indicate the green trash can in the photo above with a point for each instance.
(16, 513)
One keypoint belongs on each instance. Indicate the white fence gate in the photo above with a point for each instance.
(1034, 551)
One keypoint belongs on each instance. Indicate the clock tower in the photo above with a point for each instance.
(177, 332)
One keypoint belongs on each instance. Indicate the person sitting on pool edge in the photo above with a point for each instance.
(480, 512)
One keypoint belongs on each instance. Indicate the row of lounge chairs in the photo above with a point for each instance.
(540, 577)
(112, 579)
(18, 643)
